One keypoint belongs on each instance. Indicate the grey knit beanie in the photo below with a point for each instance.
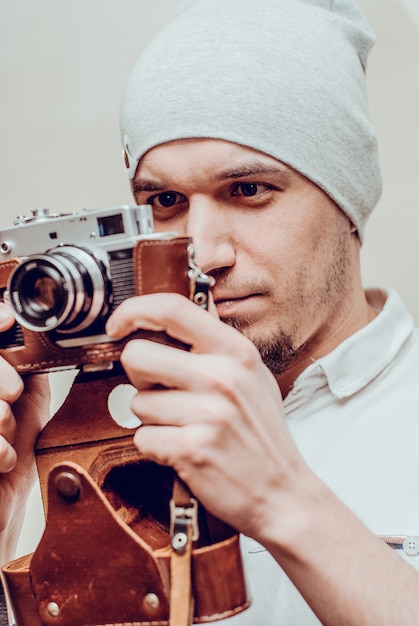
(285, 77)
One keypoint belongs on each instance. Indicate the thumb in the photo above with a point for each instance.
(32, 412)
(6, 317)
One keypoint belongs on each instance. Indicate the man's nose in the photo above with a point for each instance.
(211, 229)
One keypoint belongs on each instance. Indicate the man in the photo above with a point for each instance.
(245, 126)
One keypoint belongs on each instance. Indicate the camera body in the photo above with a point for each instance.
(63, 275)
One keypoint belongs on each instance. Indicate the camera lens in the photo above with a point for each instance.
(65, 289)
(45, 293)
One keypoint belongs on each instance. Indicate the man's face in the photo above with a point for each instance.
(279, 248)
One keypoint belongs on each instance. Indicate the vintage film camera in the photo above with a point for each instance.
(63, 274)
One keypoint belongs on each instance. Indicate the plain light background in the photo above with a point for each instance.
(63, 67)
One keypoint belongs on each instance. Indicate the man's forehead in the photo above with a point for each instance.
(221, 159)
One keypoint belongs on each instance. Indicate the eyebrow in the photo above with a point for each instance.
(242, 171)
(139, 185)
(254, 168)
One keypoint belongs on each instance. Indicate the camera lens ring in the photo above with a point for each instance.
(68, 255)
(63, 289)
(19, 293)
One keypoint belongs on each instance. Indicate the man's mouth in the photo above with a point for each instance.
(231, 306)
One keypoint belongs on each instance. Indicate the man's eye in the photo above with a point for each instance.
(247, 189)
(166, 199)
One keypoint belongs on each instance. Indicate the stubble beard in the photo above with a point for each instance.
(277, 352)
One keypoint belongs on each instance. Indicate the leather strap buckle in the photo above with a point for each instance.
(183, 524)
(200, 283)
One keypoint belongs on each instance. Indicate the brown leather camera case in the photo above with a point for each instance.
(106, 557)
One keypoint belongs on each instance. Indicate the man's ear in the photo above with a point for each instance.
(354, 231)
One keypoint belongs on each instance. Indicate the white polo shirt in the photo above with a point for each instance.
(354, 415)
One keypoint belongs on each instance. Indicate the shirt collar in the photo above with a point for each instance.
(363, 355)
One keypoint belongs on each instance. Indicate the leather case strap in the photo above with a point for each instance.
(184, 530)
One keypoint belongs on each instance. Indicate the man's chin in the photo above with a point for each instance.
(239, 323)
(276, 350)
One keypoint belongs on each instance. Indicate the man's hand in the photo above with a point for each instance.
(24, 410)
(214, 413)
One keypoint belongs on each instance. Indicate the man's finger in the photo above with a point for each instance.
(7, 422)
(178, 317)
(6, 318)
(11, 384)
(8, 456)
(148, 363)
